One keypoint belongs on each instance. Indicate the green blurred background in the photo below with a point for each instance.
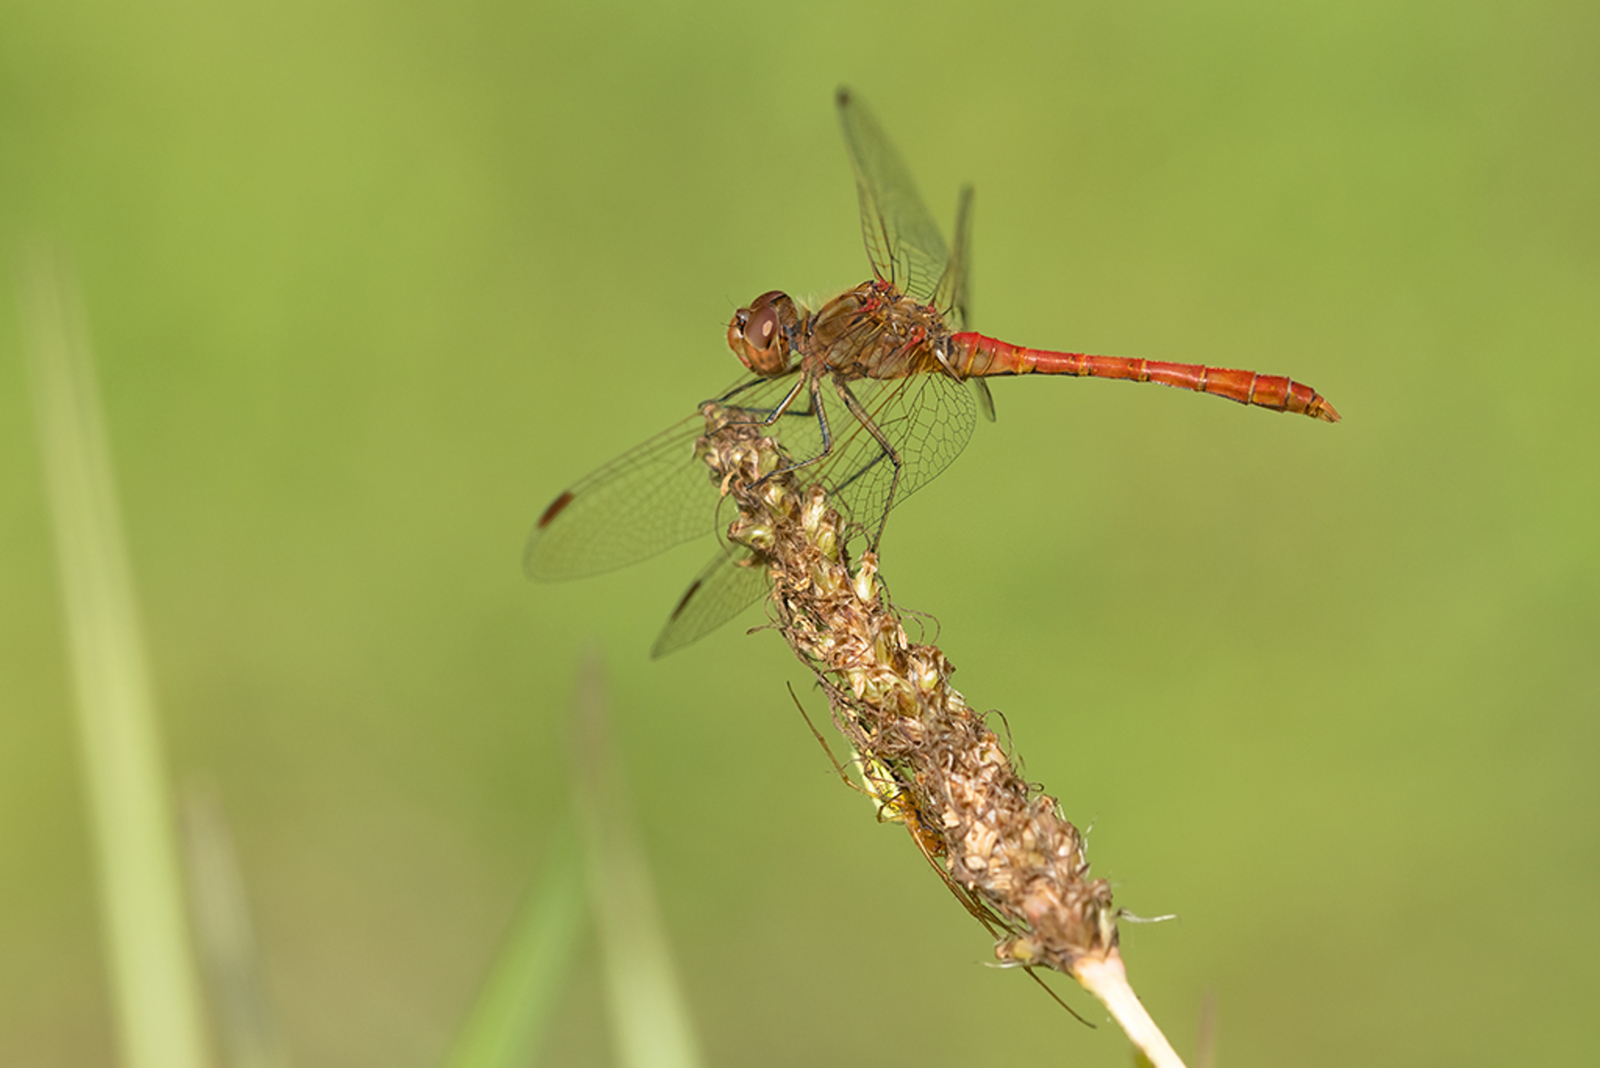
(370, 283)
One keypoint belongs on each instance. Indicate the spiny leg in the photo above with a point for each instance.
(837, 767)
(762, 416)
(822, 427)
(862, 417)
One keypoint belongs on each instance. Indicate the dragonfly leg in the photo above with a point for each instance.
(763, 416)
(788, 403)
(862, 417)
(822, 425)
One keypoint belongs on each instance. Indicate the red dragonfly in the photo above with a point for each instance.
(871, 396)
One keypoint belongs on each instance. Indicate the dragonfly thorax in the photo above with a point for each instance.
(875, 331)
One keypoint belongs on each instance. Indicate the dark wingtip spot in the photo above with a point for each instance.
(842, 95)
(683, 602)
(555, 509)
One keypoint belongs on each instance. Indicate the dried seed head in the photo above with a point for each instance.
(931, 762)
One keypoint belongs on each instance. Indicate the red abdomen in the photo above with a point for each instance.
(977, 355)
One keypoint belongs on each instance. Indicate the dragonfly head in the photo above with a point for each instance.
(759, 335)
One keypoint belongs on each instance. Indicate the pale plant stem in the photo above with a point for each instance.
(1107, 979)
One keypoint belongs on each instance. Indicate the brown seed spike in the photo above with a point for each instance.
(555, 509)
(928, 758)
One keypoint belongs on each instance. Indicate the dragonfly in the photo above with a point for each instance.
(870, 396)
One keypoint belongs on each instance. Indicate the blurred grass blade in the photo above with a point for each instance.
(649, 1018)
(1205, 1035)
(246, 1026)
(153, 983)
(512, 1016)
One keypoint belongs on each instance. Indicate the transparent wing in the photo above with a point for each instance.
(902, 239)
(660, 494)
(729, 583)
(980, 390)
(926, 420)
(644, 502)
(952, 296)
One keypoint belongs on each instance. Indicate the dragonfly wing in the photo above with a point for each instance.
(980, 390)
(902, 239)
(731, 582)
(927, 419)
(646, 500)
(952, 296)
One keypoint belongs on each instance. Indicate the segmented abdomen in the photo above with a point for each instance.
(977, 355)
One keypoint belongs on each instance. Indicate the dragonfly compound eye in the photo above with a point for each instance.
(757, 334)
